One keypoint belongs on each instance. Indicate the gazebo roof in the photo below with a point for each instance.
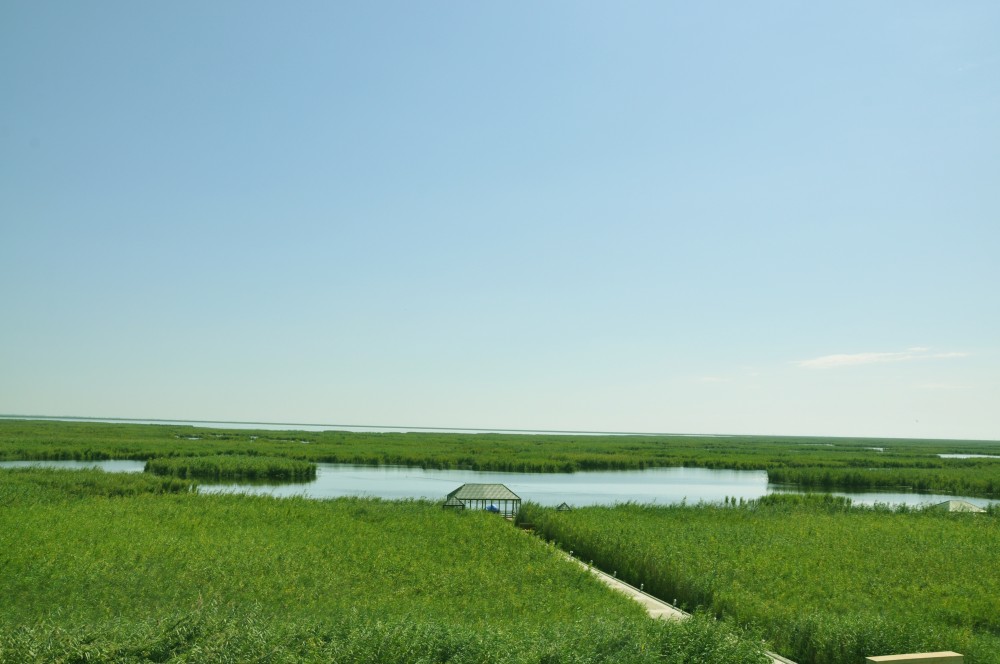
(483, 492)
(454, 502)
(958, 506)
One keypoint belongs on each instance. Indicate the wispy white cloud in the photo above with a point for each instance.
(855, 359)
(713, 379)
(978, 64)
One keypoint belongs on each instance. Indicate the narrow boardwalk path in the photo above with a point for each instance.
(654, 606)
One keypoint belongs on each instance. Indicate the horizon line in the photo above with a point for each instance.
(161, 420)
(353, 426)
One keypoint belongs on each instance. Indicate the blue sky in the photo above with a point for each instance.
(719, 217)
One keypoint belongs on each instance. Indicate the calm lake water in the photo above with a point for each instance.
(969, 456)
(663, 486)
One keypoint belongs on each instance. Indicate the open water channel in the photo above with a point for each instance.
(663, 486)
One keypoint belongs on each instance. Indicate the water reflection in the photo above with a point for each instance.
(660, 485)
(663, 486)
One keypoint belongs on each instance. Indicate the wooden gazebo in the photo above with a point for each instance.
(490, 497)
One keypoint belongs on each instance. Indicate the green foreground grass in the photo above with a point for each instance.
(828, 583)
(134, 568)
(813, 462)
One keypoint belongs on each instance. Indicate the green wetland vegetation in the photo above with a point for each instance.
(826, 463)
(234, 467)
(102, 567)
(141, 567)
(827, 582)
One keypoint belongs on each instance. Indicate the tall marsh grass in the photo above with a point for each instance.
(826, 582)
(136, 574)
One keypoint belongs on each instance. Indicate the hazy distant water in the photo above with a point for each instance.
(291, 426)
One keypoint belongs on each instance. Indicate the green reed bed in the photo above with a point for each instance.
(961, 477)
(48, 484)
(827, 583)
(837, 462)
(217, 636)
(141, 575)
(234, 467)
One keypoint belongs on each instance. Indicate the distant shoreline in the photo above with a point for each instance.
(377, 428)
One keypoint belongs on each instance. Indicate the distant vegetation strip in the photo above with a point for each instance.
(234, 467)
(966, 480)
(825, 462)
(104, 567)
(826, 582)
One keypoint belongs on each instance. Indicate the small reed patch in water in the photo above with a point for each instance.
(233, 467)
